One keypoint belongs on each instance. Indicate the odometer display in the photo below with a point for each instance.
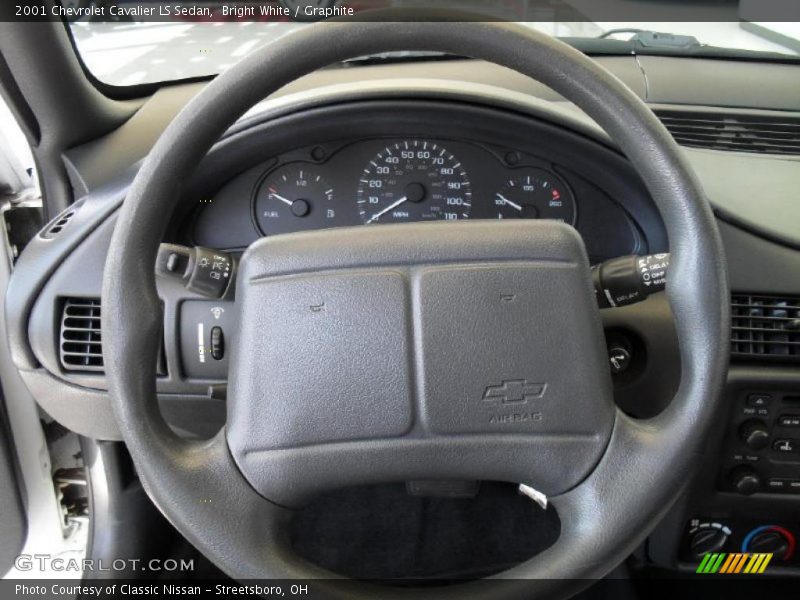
(413, 180)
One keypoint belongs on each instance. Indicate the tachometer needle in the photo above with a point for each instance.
(509, 202)
(281, 198)
(392, 206)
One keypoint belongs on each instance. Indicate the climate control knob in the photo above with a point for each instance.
(707, 540)
(745, 481)
(755, 434)
(770, 539)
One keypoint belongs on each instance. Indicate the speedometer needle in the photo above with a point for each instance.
(392, 206)
(509, 202)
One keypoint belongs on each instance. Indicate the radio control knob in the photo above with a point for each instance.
(755, 434)
(746, 481)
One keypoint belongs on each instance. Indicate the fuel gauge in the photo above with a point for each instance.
(294, 197)
(534, 194)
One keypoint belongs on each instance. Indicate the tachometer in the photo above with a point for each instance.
(294, 197)
(535, 194)
(413, 180)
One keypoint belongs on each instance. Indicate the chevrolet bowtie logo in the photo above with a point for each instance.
(514, 391)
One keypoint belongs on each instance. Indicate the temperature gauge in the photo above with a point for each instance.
(534, 194)
(294, 197)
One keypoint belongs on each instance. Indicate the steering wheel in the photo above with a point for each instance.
(352, 363)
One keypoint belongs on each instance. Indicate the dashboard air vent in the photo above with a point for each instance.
(81, 344)
(735, 132)
(765, 327)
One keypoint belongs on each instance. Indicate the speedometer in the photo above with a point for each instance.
(413, 180)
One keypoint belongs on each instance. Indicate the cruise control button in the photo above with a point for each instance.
(759, 400)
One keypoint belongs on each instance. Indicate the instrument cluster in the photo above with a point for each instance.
(402, 180)
(383, 179)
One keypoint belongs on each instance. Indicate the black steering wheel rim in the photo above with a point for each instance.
(645, 464)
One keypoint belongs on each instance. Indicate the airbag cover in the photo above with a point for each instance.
(434, 350)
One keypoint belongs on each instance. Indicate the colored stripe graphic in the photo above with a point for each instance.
(733, 563)
(717, 563)
(701, 568)
(730, 564)
(726, 566)
(740, 563)
(754, 560)
(765, 562)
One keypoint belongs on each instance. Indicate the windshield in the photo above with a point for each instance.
(125, 43)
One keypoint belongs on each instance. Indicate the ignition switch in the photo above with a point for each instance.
(202, 270)
(619, 358)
